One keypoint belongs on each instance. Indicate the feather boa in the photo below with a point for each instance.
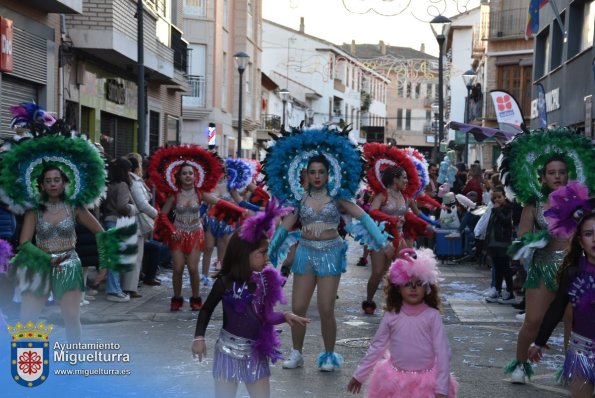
(567, 205)
(117, 247)
(525, 247)
(263, 223)
(379, 157)
(5, 255)
(268, 293)
(165, 162)
(528, 152)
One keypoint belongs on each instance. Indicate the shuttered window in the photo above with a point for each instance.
(13, 92)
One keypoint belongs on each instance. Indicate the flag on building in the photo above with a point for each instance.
(533, 16)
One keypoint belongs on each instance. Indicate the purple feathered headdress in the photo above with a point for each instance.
(263, 223)
(568, 204)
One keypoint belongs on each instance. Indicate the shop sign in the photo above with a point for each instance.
(5, 45)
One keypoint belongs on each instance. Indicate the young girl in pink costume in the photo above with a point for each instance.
(412, 332)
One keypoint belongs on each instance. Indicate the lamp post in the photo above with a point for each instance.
(468, 78)
(284, 93)
(435, 110)
(241, 59)
(439, 25)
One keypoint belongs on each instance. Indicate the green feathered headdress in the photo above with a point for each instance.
(524, 156)
(76, 157)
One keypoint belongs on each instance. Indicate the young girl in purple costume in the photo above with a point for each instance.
(576, 279)
(249, 291)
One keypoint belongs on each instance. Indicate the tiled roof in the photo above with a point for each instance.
(369, 51)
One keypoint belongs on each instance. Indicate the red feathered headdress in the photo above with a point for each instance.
(380, 157)
(165, 162)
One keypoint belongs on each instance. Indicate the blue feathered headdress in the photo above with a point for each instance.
(290, 153)
(239, 173)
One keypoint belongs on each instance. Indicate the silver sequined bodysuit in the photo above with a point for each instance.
(188, 217)
(392, 208)
(540, 221)
(56, 238)
(315, 222)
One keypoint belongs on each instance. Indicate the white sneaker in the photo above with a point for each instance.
(327, 366)
(295, 360)
(84, 302)
(518, 376)
(507, 298)
(493, 298)
(489, 292)
(118, 297)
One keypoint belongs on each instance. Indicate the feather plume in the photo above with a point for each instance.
(5, 255)
(263, 223)
(567, 206)
(419, 264)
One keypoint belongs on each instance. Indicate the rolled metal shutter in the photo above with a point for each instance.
(13, 92)
(121, 130)
(29, 56)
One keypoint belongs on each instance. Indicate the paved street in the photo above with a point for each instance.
(482, 339)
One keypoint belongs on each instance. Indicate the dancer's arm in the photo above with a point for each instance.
(28, 228)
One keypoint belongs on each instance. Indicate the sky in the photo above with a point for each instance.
(403, 23)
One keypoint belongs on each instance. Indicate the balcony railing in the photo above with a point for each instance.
(508, 23)
(270, 122)
(196, 95)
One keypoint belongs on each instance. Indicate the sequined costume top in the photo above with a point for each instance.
(392, 208)
(56, 238)
(315, 222)
(577, 286)
(239, 315)
(187, 217)
(540, 221)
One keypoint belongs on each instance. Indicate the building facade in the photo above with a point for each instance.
(30, 55)
(326, 84)
(564, 63)
(216, 30)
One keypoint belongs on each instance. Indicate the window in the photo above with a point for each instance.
(250, 21)
(429, 93)
(408, 119)
(516, 79)
(195, 7)
(542, 53)
(399, 119)
(399, 89)
(173, 130)
(588, 25)
(557, 44)
(224, 83)
(417, 90)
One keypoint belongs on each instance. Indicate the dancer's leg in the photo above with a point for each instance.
(537, 302)
(303, 289)
(327, 294)
(178, 260)
(70, 304)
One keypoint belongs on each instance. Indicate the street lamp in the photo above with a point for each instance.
(439, 26)
(469, 79)
(435, 110)
(284, 93)
(241, 59)
(310, 115)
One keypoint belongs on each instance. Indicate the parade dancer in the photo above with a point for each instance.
(237, 177)
(413, 333)
(187, 173)
(61, 176)
(249, 290)
(534, 164)
(394, 178)
(333, 171)
(571, 208)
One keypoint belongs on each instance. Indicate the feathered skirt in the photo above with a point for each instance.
(387, 381)
(320, 257)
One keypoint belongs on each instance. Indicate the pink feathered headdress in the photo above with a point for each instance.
(419, 264)
(568, 204)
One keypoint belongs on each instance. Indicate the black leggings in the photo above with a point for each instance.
(503, 271)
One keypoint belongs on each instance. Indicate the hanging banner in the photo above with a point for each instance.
(5, 45)
(508, 111)
(541, 108)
